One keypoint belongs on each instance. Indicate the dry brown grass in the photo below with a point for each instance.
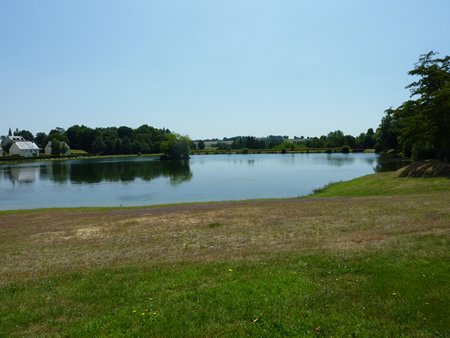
(427, 169)
(38, 243)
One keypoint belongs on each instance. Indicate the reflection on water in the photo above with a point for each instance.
(389, 162)
(27, 174)
(128, 171)
(148, 181)
(87, 172)
(177, 172)
(336, 160)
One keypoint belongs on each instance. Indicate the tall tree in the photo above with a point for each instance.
(27, 135)
(56, 147)
(385, 136)
(40, 139)
(426, 120)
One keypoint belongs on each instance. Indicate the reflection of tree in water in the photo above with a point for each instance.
(335, 160)
(128, 171)
(58, 171)
(390, 162)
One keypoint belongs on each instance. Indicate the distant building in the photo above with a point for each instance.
(48, 148)
(24, 148)
(11, 139)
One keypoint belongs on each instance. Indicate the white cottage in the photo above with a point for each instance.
(24, 148)
(48, 148)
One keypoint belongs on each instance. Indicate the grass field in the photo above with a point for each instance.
(364, 258)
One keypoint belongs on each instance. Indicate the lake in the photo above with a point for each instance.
(140, 181)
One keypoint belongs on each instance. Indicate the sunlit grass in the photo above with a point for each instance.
(366, 266)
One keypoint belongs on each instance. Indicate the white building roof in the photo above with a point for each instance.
(16, 138)
(26, 145)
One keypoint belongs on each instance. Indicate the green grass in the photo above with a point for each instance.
(373, 261)
(385, 184)
(398, 291)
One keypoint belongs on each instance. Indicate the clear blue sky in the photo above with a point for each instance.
(212, 68)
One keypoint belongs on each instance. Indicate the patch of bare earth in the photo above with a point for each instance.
(44, 242)
(425, 169)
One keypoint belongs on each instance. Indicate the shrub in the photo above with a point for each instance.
(345, 149)
(245, 150)
(422, 152)
(283, 151)
(328, 151)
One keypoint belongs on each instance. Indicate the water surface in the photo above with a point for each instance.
(139, 181)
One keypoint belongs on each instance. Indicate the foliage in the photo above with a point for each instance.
(55, 147)
(422, 151)
(115, 141)
(249, 142)
(39, 139)
(176, 146)
(27, 135)
(201, 145)
(426, 120)
(386, 136)
(345, 149)
(54, 136)
(245, 150)
(283, 150)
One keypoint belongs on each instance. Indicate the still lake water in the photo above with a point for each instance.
(139, 181)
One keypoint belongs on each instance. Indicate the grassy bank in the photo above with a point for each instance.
(375, 264)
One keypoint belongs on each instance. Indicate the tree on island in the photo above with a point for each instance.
(176, 146)
(424, 123)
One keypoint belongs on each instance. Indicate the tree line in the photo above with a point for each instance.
(113, 140)
(420, 128)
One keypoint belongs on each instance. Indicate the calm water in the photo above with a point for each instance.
(139, 181)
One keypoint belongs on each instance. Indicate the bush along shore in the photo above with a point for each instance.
(367, 257)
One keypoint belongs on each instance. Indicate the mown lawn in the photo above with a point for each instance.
(372, 263)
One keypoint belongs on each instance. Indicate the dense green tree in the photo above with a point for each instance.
(426, 120)
(98, 146)
(63, 149)
(56, 147)
(39, 139)
(335, 139)
(57, 130)
(369, 139)
(27, 135)
(156, 148)
(176, 146)
(58, 137)
(71, 134)
(350, 141)
(201, 145)
(126, 145)
(86, 137)
(125, 132)
(386, 136)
